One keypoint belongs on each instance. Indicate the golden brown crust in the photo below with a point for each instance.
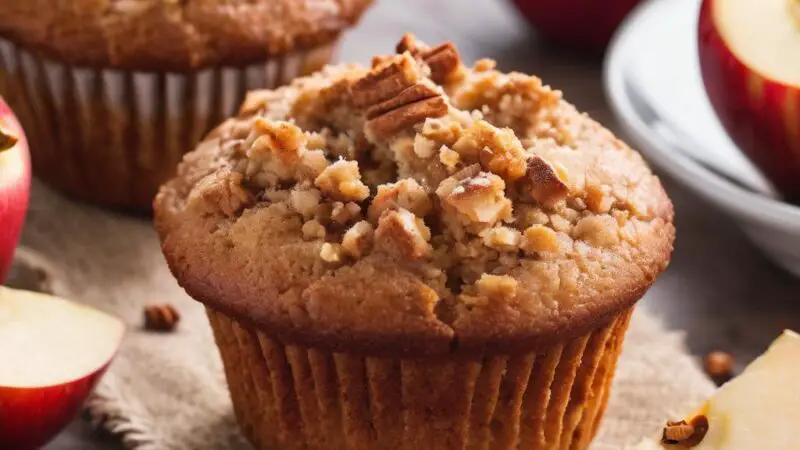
(170, 35)
(462, 259)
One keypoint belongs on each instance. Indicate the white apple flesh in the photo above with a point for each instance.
(750, 60)
(52, 353)
(15, 178)
(760, 409)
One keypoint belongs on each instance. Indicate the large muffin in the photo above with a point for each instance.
(113, 92)
(419, 255)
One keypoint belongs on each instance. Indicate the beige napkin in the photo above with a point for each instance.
(167, 391)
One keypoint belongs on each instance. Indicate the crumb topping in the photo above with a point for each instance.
(471, 178)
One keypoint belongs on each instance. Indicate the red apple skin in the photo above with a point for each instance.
(30, 417)
(586, 24)
(13, 192)
(761, 115)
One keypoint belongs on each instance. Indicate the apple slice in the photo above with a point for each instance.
(52, 353)
(760, 409)
(15, 179)
(749, 57)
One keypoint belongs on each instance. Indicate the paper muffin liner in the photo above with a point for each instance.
(291, 397)
(111, 137)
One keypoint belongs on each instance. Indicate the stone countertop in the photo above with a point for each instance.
(719, 288)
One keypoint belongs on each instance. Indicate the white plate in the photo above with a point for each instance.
(653, 83)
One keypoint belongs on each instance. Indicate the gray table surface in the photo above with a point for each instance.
(719, 289)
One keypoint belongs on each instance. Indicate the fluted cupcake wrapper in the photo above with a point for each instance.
(290, 397)
(111, 137)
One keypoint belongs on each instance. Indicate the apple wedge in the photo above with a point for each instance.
(15, 179)
(757, 410)
(750, 61)
(52, 353)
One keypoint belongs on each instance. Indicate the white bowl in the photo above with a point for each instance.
(654, 86)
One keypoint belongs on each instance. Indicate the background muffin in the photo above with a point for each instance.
(112, 93)
(419, 255)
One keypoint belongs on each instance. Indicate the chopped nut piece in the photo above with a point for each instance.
(443, 130)
(409, 107)
(342, 181)
(161, 317)
(406, 194)
(402, 234)
(544, 183)
(448, 157)
(719, 366)
(538, 239)
(385, 81)
(331, 253)
(502, 238)
(424, 147)
(597, 200)
(497, 286)
(358, 239)
(685, 434)
(313, 163)
(443, 59)
(343, 213)
(599, 231)
(480, 198)
(221, 192)
(498, 151)
(281, 139)
(313, 230)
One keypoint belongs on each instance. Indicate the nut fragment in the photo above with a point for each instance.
(409, 107)
(538, 239)
(342, 181)
(331, 253)
(719, 366)
(385, 81)
(496, 286)
(402, 234)
(161, 317)
(406, 194)
(498, 150)
(443, 59)
(544, 183)
(480, 198)
(501, 238)
(358, 239)
(685, 434)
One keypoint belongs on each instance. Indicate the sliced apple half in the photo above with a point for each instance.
(15, 179)
(750, 60)
(760, 409)
(52, 353)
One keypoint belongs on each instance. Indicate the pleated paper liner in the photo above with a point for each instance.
(112, 137)
(290, 397)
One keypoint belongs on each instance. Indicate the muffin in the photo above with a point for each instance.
(113, 92)
(416, 255)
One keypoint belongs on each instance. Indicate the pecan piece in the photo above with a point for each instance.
(685, 434)
(161, 317)
(385, 81)
(442, 59)
(409, 107)
(545, 185)
(402, 234)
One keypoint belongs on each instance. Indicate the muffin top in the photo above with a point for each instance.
(419, 206)
(171, 34)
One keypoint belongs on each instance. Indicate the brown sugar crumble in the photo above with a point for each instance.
(466, 176)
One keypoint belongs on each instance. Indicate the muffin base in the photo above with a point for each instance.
(112, 137)
(291, 397)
